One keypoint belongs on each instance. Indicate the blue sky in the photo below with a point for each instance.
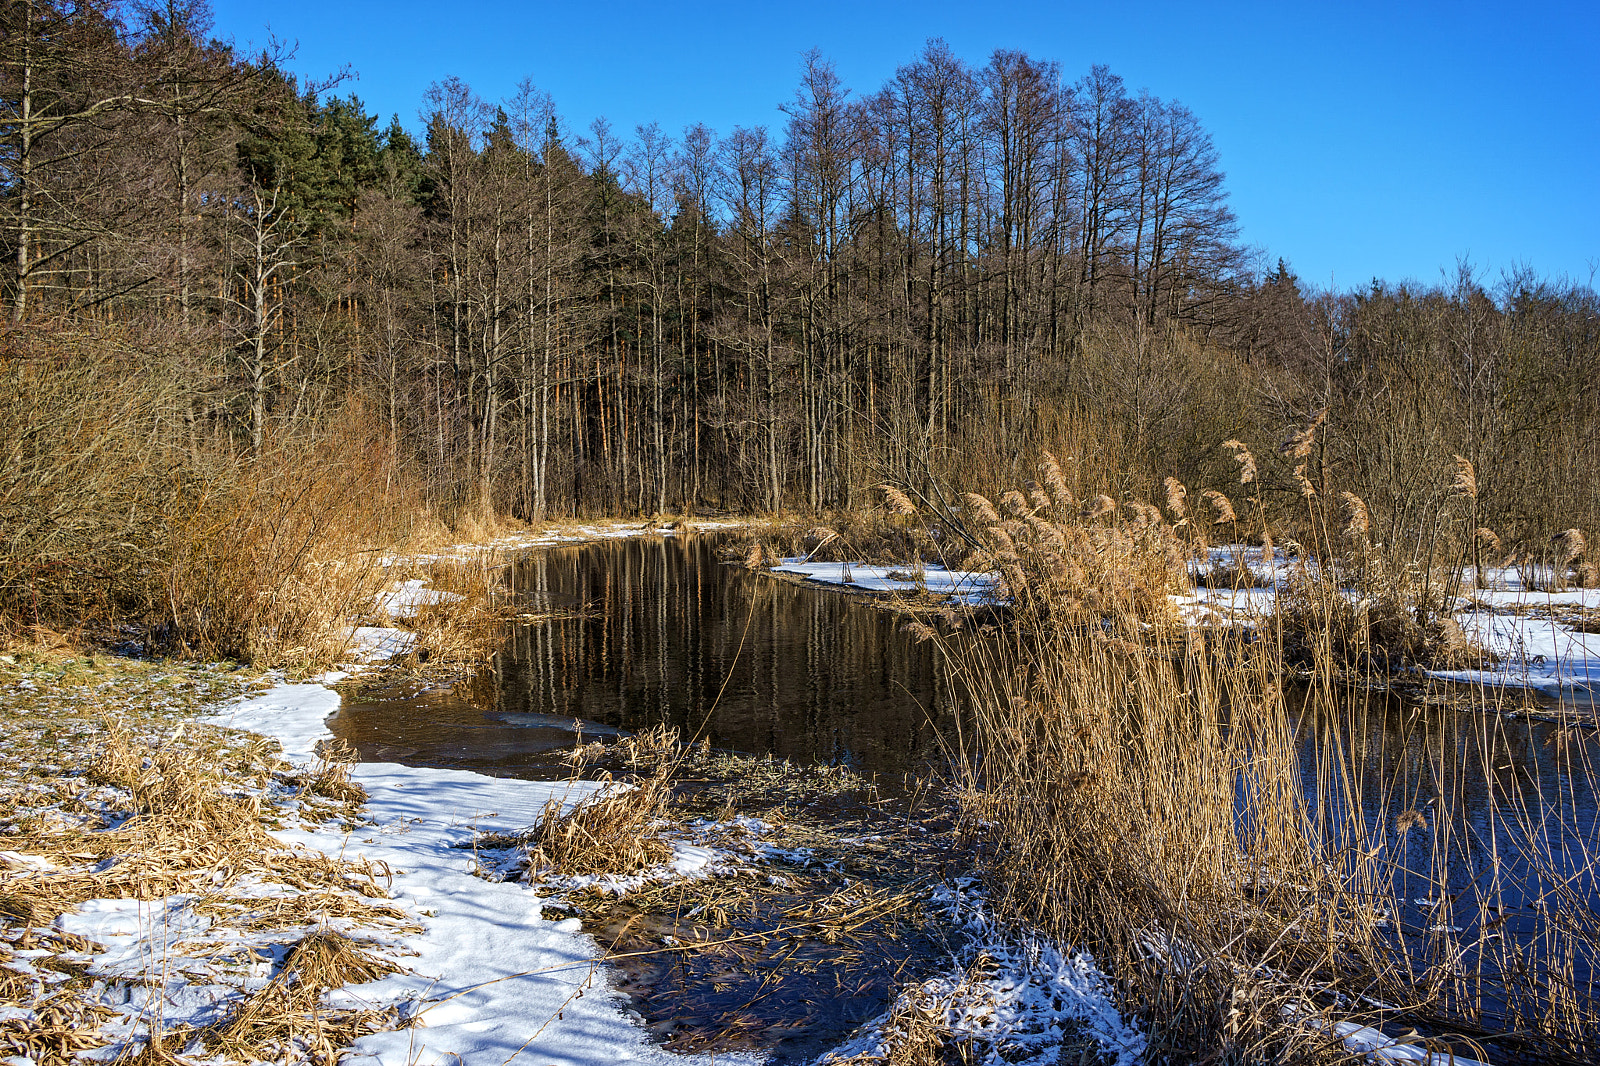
(1360, 140)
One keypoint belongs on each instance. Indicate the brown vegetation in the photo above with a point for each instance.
(111, 792)
(1142, 789)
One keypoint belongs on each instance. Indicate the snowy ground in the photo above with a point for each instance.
(489, 979)
(1535, 635)
(484, 972)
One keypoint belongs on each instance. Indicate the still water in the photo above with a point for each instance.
(658, 630)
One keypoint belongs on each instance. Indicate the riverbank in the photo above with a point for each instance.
(1529, 639)
(193, 940)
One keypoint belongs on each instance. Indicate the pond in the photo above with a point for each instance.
(648, 631)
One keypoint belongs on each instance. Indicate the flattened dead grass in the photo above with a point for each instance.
(111, 793)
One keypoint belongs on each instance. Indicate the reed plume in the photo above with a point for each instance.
(1409, 819)
(1246, 461)
(897, 501)
(1002, 540)
(1145, 515)
(1489, 538)
(1099, 507)
(1301, 441)
(1269, 552)
(1307, 489)
(1466, 482)
(1047, 533)
(1015, 502)
(1056, 482)
(982, 509)
(1222, 506)
(1570, 544)
(1176, 495)
(1039, 498)
(1360, 523)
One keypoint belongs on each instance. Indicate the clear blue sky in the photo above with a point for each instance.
(1359, 140)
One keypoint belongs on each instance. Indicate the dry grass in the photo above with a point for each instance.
(618, 831)
(120, 797)
(1150, 799)
(286, 1018)
(116, 514)
(466, 623)
(330, 774)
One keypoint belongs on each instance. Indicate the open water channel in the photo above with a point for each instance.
(647, 631)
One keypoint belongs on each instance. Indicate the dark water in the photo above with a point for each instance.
(660, 631)
(1480, 835)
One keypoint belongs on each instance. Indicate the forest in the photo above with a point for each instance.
(923, 284)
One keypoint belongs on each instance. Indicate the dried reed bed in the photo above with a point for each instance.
(187, 825)
(616, 831)
(287, 1019)
(464, 622)
(120, 512)
(1146, 793)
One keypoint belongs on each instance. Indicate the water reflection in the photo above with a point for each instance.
(1484, 826)
(660, 631)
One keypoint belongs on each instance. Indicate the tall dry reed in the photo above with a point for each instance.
(1238, 851)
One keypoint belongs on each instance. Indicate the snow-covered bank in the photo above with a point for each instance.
(966, 586)
(380, 635)
(489, 979)
(1537, 639)
(573, 533)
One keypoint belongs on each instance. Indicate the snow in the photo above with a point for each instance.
(965, 585)
(490, 980)
(1530, 632)
(1014, 998)
(578, 533)
(406, 597)
(371, 644)
(1378, 1048)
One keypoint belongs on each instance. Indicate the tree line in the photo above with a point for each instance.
(925, 283)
